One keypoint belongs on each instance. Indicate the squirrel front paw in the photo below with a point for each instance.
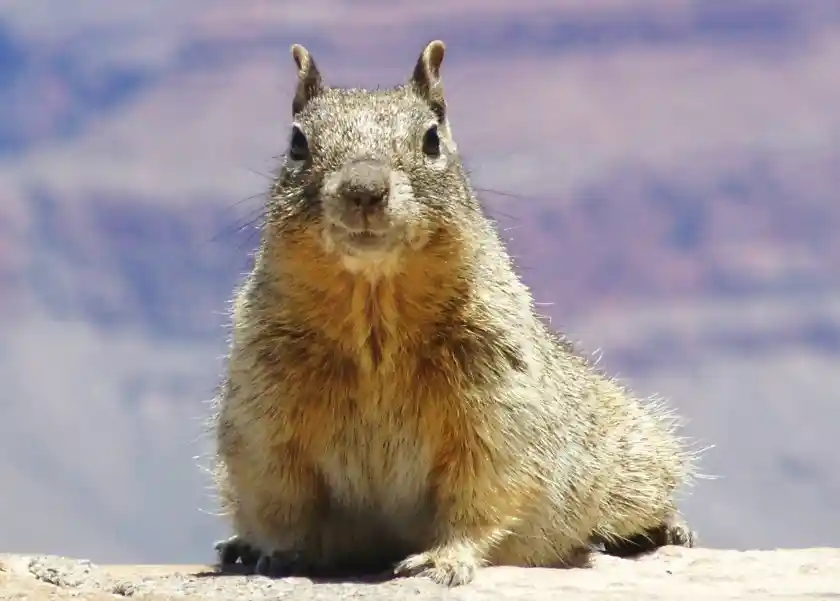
(446, 566)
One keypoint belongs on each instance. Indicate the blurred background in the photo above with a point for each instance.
(666, 172)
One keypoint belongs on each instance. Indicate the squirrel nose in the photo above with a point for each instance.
(365, 183)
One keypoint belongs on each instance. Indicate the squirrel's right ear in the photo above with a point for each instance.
(309, 79)
(426, 77)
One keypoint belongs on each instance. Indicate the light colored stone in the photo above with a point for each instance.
(669, 574)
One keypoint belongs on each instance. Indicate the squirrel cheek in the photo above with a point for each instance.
(335, 206)
(404, 209)
(401, 197)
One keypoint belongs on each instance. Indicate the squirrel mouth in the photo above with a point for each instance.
(367, 240)
(362, 240)
(365, 236)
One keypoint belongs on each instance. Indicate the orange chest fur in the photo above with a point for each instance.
(376, 390)
(379, 435)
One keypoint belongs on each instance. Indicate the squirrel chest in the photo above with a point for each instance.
(377, 436)
(374, 415)
(378, 390)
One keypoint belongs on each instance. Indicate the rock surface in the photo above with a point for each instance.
(671, 573)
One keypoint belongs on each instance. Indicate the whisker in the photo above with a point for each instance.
(247, 198)
(261, 174)
(501, 193)
(253, 218)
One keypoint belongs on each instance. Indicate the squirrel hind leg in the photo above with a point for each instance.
(236, 555)
(675, 531)
(235, 549)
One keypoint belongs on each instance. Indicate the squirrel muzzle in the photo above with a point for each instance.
(361, 201)
(365, 185)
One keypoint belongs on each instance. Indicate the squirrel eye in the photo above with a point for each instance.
(298, 145)
(431, 142)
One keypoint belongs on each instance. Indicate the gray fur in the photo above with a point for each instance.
(402, 403)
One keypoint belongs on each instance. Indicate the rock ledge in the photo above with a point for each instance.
(671, 573)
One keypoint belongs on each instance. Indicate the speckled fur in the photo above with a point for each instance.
(412, 409)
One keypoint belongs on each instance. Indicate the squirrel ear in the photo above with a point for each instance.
(426, 77)
(309, 79)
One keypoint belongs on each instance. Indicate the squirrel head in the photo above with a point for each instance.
(370, 174)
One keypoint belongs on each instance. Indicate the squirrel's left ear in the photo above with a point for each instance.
(309, 79)
(426, 77)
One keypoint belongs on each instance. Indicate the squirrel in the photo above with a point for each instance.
(392, 401)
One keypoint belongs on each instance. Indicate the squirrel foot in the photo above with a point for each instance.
(279, 564)
(673, 532)
(678, 533)
(235, 548)
(446, 565)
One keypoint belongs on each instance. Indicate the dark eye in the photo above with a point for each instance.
(298, 145)
(431, 142)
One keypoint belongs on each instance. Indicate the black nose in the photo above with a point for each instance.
(365, 183)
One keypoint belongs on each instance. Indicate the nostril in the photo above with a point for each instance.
(366, 199)
(365, 183)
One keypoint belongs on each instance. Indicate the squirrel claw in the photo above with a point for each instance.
(279, 564)
(443, 567)
(680, 534)
(234, 549)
